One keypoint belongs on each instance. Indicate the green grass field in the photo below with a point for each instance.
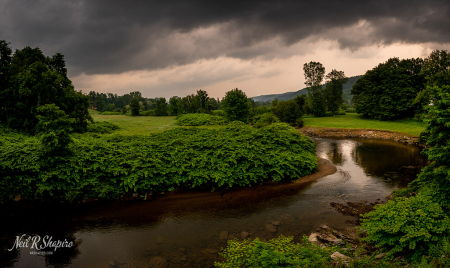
(352, 120)
(136, 125)
(145, 125)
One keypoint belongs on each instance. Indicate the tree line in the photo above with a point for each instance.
(399, 89)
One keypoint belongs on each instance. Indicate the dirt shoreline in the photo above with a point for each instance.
(361, 133)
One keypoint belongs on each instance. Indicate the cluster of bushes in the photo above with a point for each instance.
(277, 252)
(102, 127)
(111, 113)
(108, 167)
(200, 120)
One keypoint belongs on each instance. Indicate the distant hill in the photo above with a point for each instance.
(290, 95)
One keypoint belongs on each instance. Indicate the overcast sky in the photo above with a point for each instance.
(167, 48)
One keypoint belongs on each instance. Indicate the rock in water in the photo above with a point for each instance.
(244, 235)
(271, 228)
(313, 237)
(339, 257)
(158, 262)
(276, 223)
(212, 251)
(223, 235)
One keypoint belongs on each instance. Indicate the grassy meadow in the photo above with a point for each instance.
(136, 125)
(146, 125)
(353, 120)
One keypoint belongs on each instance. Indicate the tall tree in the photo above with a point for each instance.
(388, 91)
(334, 90)
(175, 106)
(314, 73)
(5, 61)
(161, 108)
(134, 105)
(236, 105)
(202, 99)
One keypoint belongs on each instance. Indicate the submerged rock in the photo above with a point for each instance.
(276, 223)
(244, 235)
(158, 262)
(212, 251)
(223, 235)
(271, 228)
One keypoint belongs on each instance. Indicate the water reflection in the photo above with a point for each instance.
(186, 231)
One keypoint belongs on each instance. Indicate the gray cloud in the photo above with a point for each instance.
(101, 37)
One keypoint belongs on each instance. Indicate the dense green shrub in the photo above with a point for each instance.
(146, 113)
(200, 120)
(111, 113)
(218, 113)
(54, 128)
(277, 252)
(408, 225)
(299, 123)
(110, 166)
(265, 119)
(287, 111)
(102, 127)
(435, 179)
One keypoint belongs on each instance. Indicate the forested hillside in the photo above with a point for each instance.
(291, 95)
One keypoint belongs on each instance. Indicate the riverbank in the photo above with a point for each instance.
(361, 133)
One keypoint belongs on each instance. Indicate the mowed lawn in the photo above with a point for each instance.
(353, 120)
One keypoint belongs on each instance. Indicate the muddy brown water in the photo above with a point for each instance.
(187, 235)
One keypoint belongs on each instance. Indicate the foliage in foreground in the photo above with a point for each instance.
(200, 120)
(102, 127)
(412, 226)
(435, 179)
(277, 252)
(110, 166)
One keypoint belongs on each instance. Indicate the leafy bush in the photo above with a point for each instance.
(337, 113)
(287, 111)
(102, 127)
(146, 113)
(219, 113)
(410, 225)
(111, 113)
(200, 120)
(265, 119)
(277, 252)
(111, 166)
(435, 179)
(300, 123)
(54, 127)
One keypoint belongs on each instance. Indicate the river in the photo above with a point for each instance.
(188, 235)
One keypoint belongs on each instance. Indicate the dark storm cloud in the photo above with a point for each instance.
(116, 36)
